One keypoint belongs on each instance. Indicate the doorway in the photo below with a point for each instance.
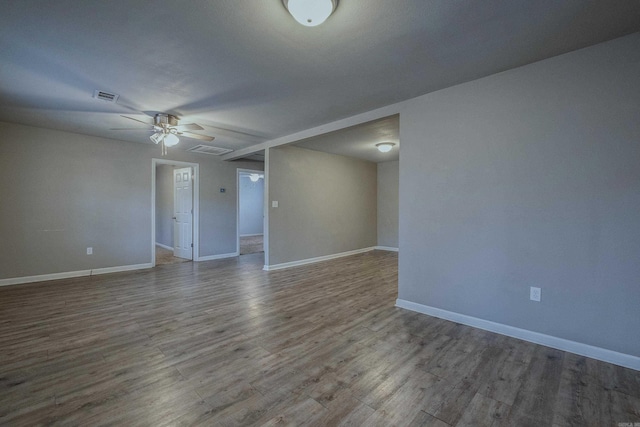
(250, 208)
(174, 212)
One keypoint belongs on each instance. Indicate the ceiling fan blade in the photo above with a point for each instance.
(189, 126)
(136, 120)
(196, 136)
(146, 130)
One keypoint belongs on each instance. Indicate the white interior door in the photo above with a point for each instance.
(183, 213)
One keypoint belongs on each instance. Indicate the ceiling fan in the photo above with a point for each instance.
(166, 130)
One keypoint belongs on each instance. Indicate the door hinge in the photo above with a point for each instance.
(192, 245)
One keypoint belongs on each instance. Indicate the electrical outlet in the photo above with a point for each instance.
(89, 250)
(535, 294)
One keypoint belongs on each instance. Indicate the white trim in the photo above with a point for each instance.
(43, 277)
(388, 110)
(196, 204)
(169, 248)
(265, 206)
(221, 256)
(71, 274)
(609, 356)
(316, 259)
(386, 248)
(252, 235)
(120, 268)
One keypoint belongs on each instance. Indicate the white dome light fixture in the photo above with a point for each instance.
(254, 177)
(385, 147)
(310, 13)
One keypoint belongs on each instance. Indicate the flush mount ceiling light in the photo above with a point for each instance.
(254, 177)
(310, 12)
(385, 147)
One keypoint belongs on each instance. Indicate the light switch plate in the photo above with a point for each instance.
(274, 203)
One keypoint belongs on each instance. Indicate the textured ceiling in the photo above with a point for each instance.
(247, 72)
(360, 140)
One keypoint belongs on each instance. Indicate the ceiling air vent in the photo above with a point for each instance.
(105, 96)
(207, 149)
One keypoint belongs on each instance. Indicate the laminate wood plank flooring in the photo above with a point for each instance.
(251, 244)
(165, 256)
(224, 343)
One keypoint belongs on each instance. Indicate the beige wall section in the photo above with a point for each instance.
(327, 204)
(164, 205)
(62, 192)
(388, 185)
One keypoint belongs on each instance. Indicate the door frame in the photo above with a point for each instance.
(238, 172)
(196, 204)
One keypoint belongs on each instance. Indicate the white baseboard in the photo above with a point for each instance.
(71, 274)
(610, 356)
(169, 248)
(251, 235)
(106, 270)
(314, 260)
(386, 248)
(43, 277)
(221, 256)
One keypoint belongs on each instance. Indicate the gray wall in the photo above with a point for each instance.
(527, 178)
(388, 186)
(164, 205)
(327, 204)
(62, 192)
(251, 206)
(218, 211)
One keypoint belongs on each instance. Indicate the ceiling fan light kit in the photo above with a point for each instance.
(166, 137)
(310, 13)
(165, 127)
(166, 130)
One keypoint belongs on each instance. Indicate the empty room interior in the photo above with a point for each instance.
(320, 212)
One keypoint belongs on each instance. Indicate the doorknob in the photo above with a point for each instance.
(174, 217)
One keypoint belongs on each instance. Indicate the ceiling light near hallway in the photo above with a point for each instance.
(385, 147)
(310, 12)
(254, 177)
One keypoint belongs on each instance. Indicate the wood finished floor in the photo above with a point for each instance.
(251, 244)
(224, 343)
(165, 256)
